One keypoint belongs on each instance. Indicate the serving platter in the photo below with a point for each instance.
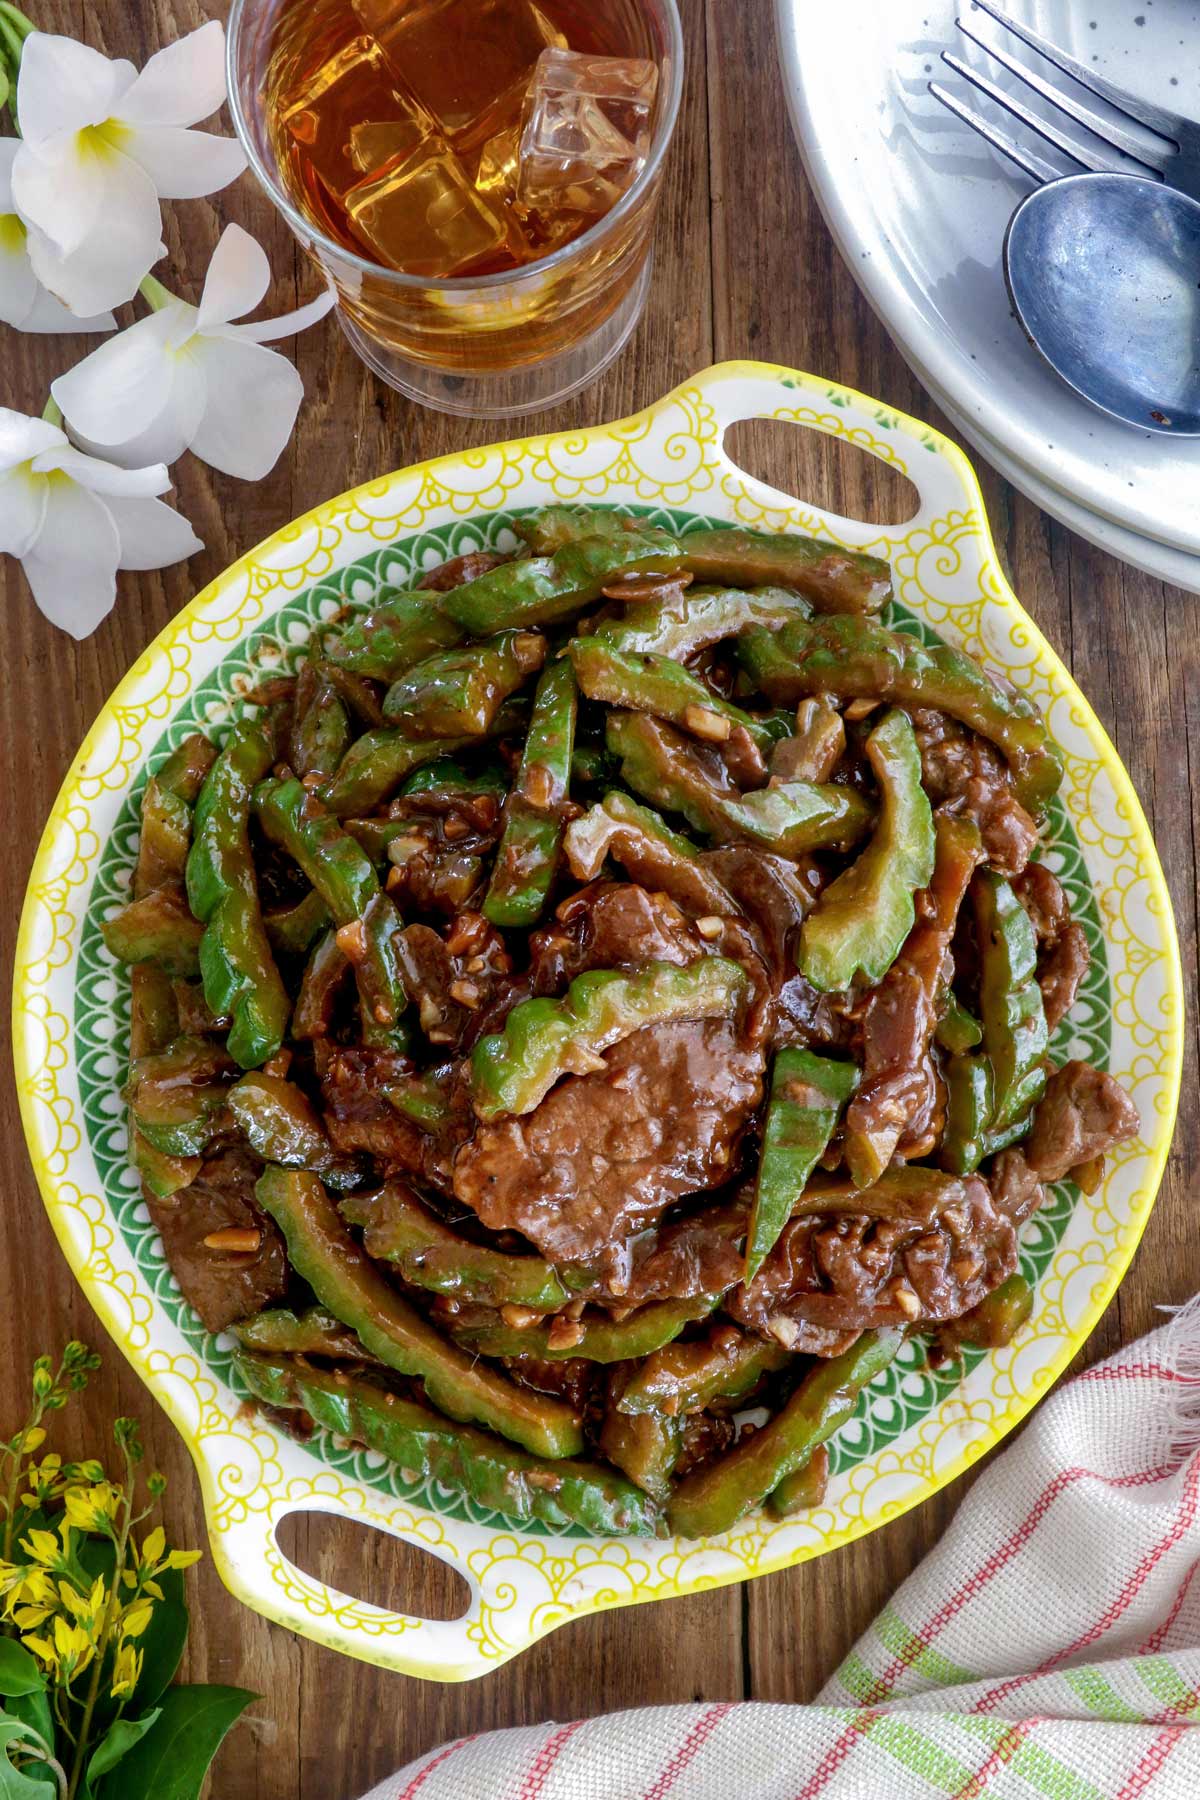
(919, 204)
(916, 1428)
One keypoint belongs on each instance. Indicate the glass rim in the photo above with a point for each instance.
(312, 234)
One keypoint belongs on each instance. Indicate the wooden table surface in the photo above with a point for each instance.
(745, 267)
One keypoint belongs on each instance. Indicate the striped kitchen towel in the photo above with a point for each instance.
(1047, 1649)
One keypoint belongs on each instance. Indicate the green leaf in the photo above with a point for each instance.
(161, 1644)
(172, 1759)
(18, 1784)
(19, 1670)
(117, 1742)
(32, 1710)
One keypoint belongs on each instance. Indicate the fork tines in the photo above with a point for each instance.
(1152, 157)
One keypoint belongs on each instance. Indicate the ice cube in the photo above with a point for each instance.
(587, 128)
(353, 85)
(382, 140)
(468, 61)
(499, 162)
(421, 213)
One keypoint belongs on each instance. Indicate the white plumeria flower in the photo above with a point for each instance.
(73, 521)
(100, 146)
(24, 302)
(188, 378)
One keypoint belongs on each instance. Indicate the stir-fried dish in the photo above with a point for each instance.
(599, 1008)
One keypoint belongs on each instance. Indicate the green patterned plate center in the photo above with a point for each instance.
(900, 1399)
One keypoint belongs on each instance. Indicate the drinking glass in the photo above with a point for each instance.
(486, 346)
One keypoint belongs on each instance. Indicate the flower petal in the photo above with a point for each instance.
(253, 398)
(238, 277)
(263, 331)
(23, 437)
(185, 165)
(181, 83)
(72, 568)
(22, 509)
(18, 284)
(152, 534)
(121, 238)
(122, 388)
(65, 85)
(101, 477)
(49, 316)
(8, 151)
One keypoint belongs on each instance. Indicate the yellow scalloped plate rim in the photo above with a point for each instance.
(524, 1584)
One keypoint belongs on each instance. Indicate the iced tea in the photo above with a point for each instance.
(450, 138)
(478, 178)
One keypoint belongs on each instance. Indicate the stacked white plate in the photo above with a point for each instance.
(919, 204)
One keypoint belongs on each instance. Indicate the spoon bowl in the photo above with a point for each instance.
(1104, 275)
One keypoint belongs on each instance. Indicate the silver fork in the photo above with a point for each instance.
(1174, 158)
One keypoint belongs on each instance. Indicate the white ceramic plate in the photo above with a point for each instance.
(919, 204)
(1177, 567)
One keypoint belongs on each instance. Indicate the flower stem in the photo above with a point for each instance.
(111, 1613)
(52, 412)
(22, 25)
(14, 1480)
(14, 29)
(155, 294)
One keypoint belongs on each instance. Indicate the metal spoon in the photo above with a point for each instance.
(1103, 270)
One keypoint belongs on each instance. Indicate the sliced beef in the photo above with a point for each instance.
(1044, 898)
(605, 1154)
(648, 859)
(1063, 954)
(1061, 972)
(705, 1435)
(898, 1106)
(1082, 1114)
(508, 992)
(1016, 1190)
(573, 1379)
(774, 893)
(848, 1273)
(744, 760)
(435, 867)
(610, 925)
(461, 569)
(696, 1255)
(358, 1114)
(222, 1285)
(451, 979)
(964, 774)
(804, 1015)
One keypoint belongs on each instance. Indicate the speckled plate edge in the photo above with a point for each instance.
(251, 1474)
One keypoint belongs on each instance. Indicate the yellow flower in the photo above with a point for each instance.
(74, 1647)
(44, 1479)
(41, 1648)
(92, 1508)
(127, 1669)
(154, 1545)
(28, 1618)
(87, 1609)
(181, 1559)
(32, 1438)
(135, 1620)
(32, 1586)
(43, 1547)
